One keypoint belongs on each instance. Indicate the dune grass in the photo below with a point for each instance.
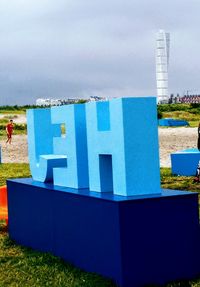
(193, 119)
(20, 266)
(170, 181)
(19, 129)
(12, 112)
(188, 112)
(13, 170)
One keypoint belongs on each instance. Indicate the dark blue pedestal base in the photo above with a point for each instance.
(135, 240)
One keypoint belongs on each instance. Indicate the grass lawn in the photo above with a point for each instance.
(193, 119)
(178, 182)
(19, 129)
(21, 266)
(13, 170)
(12, 113)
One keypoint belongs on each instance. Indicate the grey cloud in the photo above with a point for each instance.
(78, 48)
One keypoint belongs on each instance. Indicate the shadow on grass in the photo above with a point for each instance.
(27, 267)
(3, 227)
(22, 266)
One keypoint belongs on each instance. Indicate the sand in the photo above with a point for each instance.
(175, 139)
(170, 140)
(18, 119)
(17, 151)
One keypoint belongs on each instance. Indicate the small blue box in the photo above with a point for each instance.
(134, 240)
(172, 123)
(185, 162)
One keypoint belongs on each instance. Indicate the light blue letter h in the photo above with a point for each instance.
(123, 151)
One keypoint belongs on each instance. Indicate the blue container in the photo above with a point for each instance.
(172, 123)
(185, 162)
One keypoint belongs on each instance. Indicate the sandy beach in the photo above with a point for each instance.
(170, 140)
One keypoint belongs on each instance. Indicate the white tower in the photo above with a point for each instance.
(162, 63)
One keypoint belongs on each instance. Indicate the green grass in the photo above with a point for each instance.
(13, 170)
(193, 119)
(19, 129)
(15, 109)
(170, 181)
(188, 112)
(20, 266)
(12, 112)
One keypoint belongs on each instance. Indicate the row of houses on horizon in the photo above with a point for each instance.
(60, 102)
(173, 99)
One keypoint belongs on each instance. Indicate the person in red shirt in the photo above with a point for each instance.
(9, 131)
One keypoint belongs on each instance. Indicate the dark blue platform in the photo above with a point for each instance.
(135, 240)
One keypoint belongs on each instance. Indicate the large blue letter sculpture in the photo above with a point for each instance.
(53, 157)
(123, 146)
(103, 195)
(114, 142)
(40, 143)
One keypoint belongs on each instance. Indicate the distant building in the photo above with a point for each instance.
(97, 98)
(162, 63)
(43, 102)
(55, 102)
(190, 99)
(174, 99)
(48, 102)
(59, 102)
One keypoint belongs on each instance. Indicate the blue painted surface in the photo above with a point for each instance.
(123, 152)
(73, 145)
(134, 241)
(40, 145)
(172, 123)
(104, 196)
(185, 162)
(53, 158)
(120, 148)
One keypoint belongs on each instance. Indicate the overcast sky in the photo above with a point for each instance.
(79, 48)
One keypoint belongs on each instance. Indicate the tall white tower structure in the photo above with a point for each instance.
(162, 63)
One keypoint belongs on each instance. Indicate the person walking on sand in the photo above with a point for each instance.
(9, 131)
(198, 142)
